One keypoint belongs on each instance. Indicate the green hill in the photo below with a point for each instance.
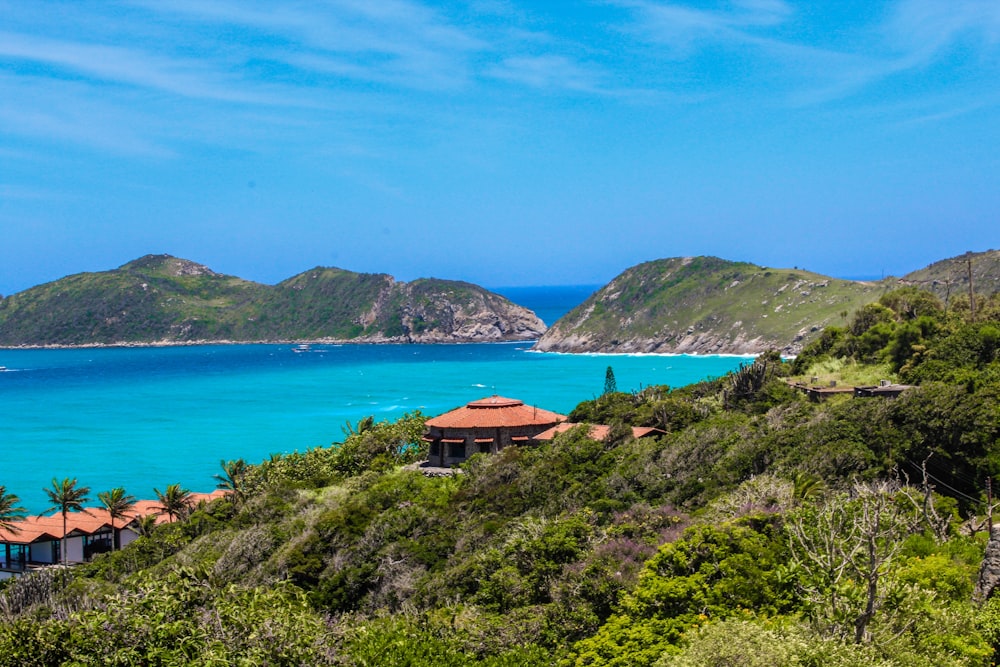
(949, 278)
(708, 305)
(163, 299)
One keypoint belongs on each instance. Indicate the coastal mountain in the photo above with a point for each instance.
(164, 299)
(707, 305)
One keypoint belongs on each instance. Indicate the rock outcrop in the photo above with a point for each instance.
(435, 311)
(989, 570)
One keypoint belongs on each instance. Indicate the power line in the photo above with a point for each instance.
(945, 484)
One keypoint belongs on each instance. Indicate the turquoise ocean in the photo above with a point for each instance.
(148, 417)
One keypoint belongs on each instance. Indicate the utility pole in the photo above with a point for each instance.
(972, 293)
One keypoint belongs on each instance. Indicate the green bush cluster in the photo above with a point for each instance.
(376, 447)
(735, 537)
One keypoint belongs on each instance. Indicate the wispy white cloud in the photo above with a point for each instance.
(922, 29)
(139, 78)
(391, 41)
(142, 79)
(190, 62)
(683, 28)
(549, 72)
(184, 77)
(946, 110)
(766, 34)
(65, 111)
(916, 35)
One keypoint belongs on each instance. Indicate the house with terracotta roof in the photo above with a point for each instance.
(598, 432)
(38, 540)
(484, 426)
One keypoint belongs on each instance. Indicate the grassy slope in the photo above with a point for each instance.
(669, 299)
(321, 302)
(950, 277)
(143, 301)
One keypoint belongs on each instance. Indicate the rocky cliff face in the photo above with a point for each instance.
(707, 342)
(481, 317)
(440, 311)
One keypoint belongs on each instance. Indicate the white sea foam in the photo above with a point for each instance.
(647, 354)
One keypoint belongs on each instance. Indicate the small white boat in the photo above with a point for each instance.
(301, 348)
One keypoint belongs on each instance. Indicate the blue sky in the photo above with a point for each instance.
(505, 143)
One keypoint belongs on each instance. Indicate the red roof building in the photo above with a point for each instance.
(484, 426)
(597, 431)
(38, 540)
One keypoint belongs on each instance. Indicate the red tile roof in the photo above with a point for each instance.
(50, 527)
(495, 412)
(30, 530)
(597, 431)
(34, 528)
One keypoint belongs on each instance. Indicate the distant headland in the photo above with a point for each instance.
(680, 305)
(164, 300)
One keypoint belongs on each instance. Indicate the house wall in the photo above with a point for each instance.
(501, 438)
(74, 549)
(128, 536)
(40, 552)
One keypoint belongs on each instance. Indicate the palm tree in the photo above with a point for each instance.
(10, 511)
(66, 497)
(806, 486)
(232, 479)
(365, 424)
(118, 504)
(147, 524)
(174, 502)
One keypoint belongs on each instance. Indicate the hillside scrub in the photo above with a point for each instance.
(833, 533)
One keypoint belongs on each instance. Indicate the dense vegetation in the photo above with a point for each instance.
(761, 529)
(159, 298)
